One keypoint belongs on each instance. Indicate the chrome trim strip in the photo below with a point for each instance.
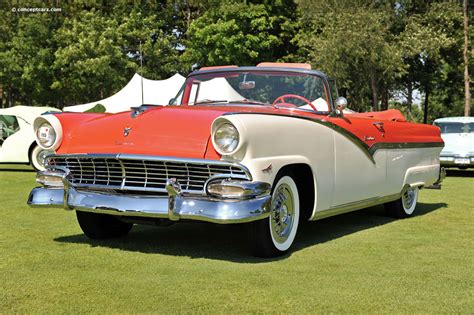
(352, 206)
(368, 151)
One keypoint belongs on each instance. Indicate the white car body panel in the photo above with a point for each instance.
(344, 175)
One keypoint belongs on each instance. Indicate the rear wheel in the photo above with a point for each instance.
(100, 226)
(274, 236)
(403, 207)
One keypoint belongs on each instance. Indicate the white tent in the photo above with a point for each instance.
(155, 92)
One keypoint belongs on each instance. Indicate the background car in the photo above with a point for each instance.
(458, 136)
(17, 137)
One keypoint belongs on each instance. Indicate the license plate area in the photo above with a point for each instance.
(461, 161)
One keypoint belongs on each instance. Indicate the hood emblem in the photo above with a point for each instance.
(126, 131)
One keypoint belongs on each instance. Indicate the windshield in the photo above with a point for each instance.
(255, 88)
(455, 127)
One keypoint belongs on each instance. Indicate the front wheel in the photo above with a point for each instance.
(274, 236)
(38, 156)
(99, 226)
(403, 207)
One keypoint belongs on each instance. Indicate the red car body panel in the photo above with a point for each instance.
(184, 131)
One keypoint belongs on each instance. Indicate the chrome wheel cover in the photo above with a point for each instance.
(282, 214)
(409, 198)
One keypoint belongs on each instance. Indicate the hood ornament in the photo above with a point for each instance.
(126, 131)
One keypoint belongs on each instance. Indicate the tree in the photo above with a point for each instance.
(467, 92)
(242, 33)
(352, 42)
(89, 62)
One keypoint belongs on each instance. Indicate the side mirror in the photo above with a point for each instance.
(341, 103)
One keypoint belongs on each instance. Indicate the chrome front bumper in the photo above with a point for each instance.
(174, 206)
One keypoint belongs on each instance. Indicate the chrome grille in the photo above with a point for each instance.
(139, 173)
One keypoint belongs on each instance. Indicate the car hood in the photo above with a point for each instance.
(163, 131)
(459, 143)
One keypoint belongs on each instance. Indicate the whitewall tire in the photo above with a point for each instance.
(37, 157)
(404, 207)
(274, 236)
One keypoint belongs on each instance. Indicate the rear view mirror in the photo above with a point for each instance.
(247, 85)
(341, 103)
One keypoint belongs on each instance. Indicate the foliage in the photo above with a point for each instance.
(375, 49)
(99, 108)
(242, 33)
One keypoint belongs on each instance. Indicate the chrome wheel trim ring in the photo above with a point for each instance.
(282, 213)
(409, 199)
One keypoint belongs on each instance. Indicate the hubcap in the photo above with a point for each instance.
(282, 214)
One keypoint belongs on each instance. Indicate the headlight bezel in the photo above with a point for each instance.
(52, 122)
(226, 138)
(46, 135)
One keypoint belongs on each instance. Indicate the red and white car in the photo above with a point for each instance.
(266, 145)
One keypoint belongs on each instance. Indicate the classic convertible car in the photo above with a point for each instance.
(458, 136)
(267, 145)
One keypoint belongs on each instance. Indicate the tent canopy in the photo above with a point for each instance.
(155, 92)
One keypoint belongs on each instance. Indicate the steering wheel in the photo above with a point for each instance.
(281, 100)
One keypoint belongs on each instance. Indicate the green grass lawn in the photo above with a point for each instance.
(361, 262)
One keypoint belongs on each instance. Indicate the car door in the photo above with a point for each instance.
(360, 173)
(13, 146)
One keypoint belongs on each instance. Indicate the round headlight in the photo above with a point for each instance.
(46, 135)
(226, 137)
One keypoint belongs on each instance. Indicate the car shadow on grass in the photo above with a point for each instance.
(17, 170)
(459, 173)
(229, 242)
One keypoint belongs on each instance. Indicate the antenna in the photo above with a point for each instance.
(141, 69)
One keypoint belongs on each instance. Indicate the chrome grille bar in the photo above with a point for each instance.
(142, 173)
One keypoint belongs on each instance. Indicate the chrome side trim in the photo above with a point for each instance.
(352, 206)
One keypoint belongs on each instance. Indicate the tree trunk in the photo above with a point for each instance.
(467, 92)
(385, 98)
(409, 99)
(373, 85)
(425, 107)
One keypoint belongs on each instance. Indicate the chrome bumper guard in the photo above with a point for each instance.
(174, 207)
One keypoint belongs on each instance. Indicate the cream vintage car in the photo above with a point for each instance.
(458, 136)
(17, 137)
(268, 146)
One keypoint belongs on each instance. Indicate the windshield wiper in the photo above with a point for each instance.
(244, 101)
(211, 102)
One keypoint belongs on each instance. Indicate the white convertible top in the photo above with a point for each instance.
(455, 119)
(28, 113)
